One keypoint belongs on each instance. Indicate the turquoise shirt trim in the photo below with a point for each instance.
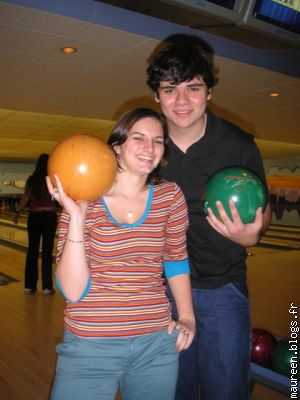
(143, 217)
(84, 293)
(173, 268)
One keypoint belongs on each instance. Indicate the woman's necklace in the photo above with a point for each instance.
(130, 214)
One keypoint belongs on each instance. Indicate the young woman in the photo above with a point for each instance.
(41, 224)
(112, 255)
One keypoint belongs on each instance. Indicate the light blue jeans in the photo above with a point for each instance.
(143, 367)
(217, 364)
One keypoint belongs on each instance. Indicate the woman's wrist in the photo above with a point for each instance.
(188, 321)
(74, 240)
(77, 221)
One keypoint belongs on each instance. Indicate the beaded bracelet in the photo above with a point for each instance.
(75, 241)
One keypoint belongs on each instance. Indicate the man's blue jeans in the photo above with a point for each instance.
(219, 358)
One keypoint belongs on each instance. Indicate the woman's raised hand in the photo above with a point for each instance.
(70, 206)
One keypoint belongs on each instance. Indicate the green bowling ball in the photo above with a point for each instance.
(282, 358)
(241, 185)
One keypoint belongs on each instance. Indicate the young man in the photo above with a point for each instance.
(181, 77)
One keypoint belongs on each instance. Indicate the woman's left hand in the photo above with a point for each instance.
(186, 334)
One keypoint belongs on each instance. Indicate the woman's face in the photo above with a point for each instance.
(143, 148)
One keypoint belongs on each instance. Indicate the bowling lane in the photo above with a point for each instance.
(12, 234)
(257, 250)
(286, 228)
(15, 235)
(282, 237)
(280, 242)
(6, 216)
(278, 235)
(274, 282)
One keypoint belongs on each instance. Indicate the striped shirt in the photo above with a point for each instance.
(127, 292)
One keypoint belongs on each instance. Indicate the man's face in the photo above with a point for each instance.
(183, 105)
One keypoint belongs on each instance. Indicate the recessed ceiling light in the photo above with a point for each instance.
(68, 50)
(274, 94)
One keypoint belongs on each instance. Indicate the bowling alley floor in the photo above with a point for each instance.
(32, 324)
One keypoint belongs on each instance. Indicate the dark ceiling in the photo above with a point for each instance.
(196, 19)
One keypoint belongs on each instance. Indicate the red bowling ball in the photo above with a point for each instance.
(263, 343)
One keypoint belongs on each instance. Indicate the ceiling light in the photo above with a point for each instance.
(68, 50)
(274, 94)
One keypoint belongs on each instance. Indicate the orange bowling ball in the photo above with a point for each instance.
(85, 164)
